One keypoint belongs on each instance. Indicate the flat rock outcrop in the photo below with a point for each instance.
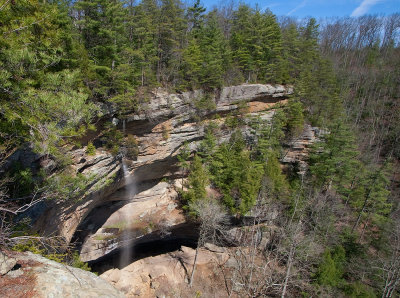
(167, 275)
(164, 104)
(36, 276)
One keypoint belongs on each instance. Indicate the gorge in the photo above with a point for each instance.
(156, 148)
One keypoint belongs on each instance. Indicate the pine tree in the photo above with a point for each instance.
(295, 117)
(142, 26)
(335, 159)
(236, 175)
(291, 64)
(241, 53)
(171, 31)
(197, 182)
(101, 23)
(42, 95)
(370, 197)
(195, 17)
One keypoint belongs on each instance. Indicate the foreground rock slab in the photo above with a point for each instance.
(167, 275)
(36, 276)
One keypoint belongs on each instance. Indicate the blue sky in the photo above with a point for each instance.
(320, 8)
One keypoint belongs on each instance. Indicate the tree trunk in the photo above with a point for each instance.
(194, 266)
(289, 267)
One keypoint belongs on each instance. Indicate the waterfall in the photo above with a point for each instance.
(130, 190)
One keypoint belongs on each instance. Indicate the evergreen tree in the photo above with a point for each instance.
(171, 32)
(370, 197)
(256, 44)
(236, 175)
(295, 118)
(291, 54)
(335, 159)
(42, 96)
(142, 28)
(197, 182)
(101, 23)
(195, 17)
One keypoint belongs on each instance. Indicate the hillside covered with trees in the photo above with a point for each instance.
(65, 64)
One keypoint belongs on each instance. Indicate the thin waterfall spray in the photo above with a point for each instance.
(130, 189)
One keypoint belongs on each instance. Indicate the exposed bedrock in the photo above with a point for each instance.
(161, 128)
(36, 276)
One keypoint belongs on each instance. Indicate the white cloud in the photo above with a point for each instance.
(301, 5)
(364, 7)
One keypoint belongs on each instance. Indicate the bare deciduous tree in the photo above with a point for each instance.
(212, 220)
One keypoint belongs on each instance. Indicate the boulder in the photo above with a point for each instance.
(40, 277)
(6, 263)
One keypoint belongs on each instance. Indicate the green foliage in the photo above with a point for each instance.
(35, 246)
(330, 270)
(358, 290)
(335, 158)
(274, 180)
(208, 144)
(205, 103)
(256, 44)
(64, 186)
(295, 118)
(349, 241)
(183, 156)
(271, 135)
(22, 182)
(370, 196)
(90, 149)
(77, 263)
(197, 182)
(132, 147)
(236, 175)
(113, 138)
(39, 69)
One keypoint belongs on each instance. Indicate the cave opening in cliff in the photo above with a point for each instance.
(139, 251)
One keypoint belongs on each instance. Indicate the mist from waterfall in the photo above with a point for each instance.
(126, 236)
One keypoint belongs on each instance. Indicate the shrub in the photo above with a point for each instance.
(132, 149)
(90, 149)
(330, 270)
(165, 132)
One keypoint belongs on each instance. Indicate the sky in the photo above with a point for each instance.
(319, 8)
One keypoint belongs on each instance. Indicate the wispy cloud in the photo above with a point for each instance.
(364, 7)
(301, 5)
(269, 6)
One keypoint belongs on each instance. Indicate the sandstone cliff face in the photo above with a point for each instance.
(164, 125)
(36, 276)
(63, 217)
(297, 149)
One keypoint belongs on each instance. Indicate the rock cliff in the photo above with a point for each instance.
(130, 203)
(163, 125)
